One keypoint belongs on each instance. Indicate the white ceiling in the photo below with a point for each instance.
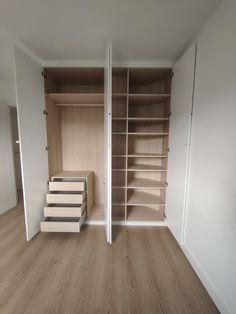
(140, 30)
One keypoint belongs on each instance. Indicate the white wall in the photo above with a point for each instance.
(8, 197)
(210, 235)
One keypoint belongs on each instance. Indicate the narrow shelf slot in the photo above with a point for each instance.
(143, 183)
(148, 99)
(147, 120)
(140, 167)
(147, 155)
(118, 212)
(149, 81)
(148, 134)
(144, 213)
(77, 99)
(143, 198)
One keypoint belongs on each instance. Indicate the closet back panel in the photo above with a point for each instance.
(83, 143)
(53, 119)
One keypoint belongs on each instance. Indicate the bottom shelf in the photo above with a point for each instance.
(144, 213)
(134, 213)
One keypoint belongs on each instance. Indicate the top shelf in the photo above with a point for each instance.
(92, 99)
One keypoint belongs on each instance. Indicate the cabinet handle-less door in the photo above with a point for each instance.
(33, 139)
(108, 142)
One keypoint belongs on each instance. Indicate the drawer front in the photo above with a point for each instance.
(64, 211)
(63, 198)
(67, 186)
(58, 225)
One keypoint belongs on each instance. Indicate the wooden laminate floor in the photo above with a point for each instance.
(144, 271)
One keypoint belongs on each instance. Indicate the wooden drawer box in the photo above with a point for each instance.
(62, 224)
(58, 210)
(67, 186)
(65, 198)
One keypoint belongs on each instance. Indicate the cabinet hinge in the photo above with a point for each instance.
(44, 74)
(45, 112)
(168, 149)
(166, 183)
(172, 74)
(164, 215)
(170, 113)
(47, 148)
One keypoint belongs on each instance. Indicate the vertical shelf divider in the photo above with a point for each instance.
(127, 145)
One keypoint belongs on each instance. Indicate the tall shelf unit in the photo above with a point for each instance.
(140, 129)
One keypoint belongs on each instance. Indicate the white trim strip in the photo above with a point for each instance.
(127, 223)
(101, 64)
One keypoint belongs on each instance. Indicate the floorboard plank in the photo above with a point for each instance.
(144, 271)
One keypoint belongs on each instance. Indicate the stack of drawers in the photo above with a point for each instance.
(66, 207)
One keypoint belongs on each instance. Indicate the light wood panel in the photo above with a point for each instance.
(64, 211)
(144, 213)
(144, 183)
(65, 198)
(71, 174)
(77, 99)
(83, 143)
(52, 224)
(55, 272)
(148, 99)
(88, 176)
(54, 138)
(119, 81)
(76, 76)
(144, 198)
(144, 167)
(67, 186)
(148, 155)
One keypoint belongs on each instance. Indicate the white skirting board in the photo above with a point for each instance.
(127, 223)
(205, 281)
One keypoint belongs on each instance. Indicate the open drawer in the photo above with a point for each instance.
(67, 186)
(65, 198)
(60, 224)
(64, 210)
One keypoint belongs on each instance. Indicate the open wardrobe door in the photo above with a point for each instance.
(108, 142)
(32, 138)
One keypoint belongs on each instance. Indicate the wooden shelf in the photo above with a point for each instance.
(118, 202)
(141, 167)
(119, 133)
(118, 156)
(148, 120)
(147, 134)
(143, 198)
(118, 216)
(145, 184)
(144, 213)
(118, 169)
(119, 186)
(147, 99)
(77, 99)
(119, 95)
(144, 126)
(146, 155)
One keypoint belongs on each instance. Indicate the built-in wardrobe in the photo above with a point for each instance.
(97, 137)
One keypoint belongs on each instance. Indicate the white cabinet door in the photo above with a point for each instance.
(33, 139)
(179, 141)
(108, 142)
